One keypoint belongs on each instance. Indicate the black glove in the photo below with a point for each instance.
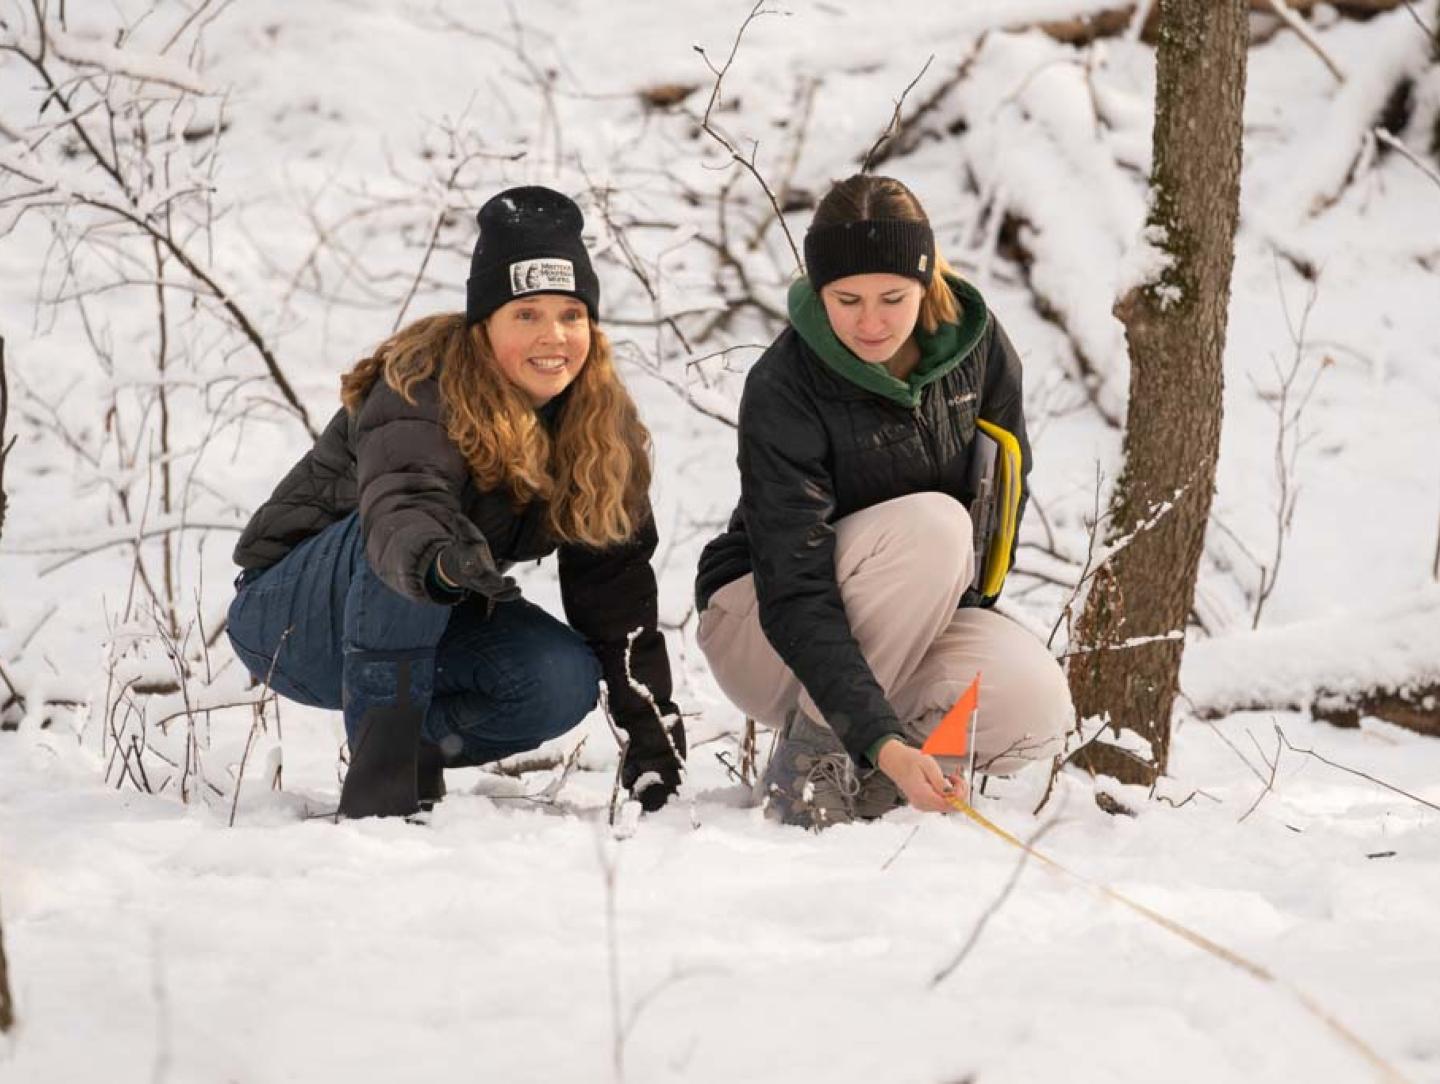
(468, 565)
(655, 764)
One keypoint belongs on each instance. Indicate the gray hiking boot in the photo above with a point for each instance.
(810, 780)
(877, 796)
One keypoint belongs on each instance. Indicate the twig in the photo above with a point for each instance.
(623, 741)
(1396, 144)
(748, 750)
(141, 534)
(442, 214)
(900, 849)
(633, 261)
(729, 765)
(1086, 570)
(550, 792)
(16, 696)
(609, 863)
(1156, 513)
(995, 904)
(5, 445)
(149, 208)
(7, 1003)
(1138, 21)
(257, 721)
(747, 163)
(1236, 750)
(1435, 565)
(894, 124)
(1269, 783)
(1288, 441)
(645, 1000)
(714, 406)
(805, 109)
(1304, 33)
(1354, 771)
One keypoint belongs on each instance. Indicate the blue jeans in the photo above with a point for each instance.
(325, 631)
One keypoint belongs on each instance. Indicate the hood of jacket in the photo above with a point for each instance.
(939, 353)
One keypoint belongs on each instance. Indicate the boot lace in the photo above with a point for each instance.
(830, 787)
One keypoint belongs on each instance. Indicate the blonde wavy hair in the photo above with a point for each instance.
(868, 196)
(593, 471)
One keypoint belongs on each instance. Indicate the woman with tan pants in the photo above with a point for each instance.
(840, 606)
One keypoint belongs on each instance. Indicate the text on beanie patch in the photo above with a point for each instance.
(532, 276)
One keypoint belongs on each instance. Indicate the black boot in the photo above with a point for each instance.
(384, 750)
(430, 775)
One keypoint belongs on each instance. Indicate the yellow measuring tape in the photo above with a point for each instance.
(1387, 1071)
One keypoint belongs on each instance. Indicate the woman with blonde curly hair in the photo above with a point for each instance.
(374, 577)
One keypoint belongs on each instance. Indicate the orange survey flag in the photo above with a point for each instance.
(952, 737)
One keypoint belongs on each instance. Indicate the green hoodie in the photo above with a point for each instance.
(939, 353)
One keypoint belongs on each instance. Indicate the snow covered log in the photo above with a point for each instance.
(1384, 663)
(1112, 22)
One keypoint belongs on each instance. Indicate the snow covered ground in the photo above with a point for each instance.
(511, 939)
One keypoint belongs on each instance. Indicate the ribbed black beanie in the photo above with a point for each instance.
(887, 245)
(529, 243)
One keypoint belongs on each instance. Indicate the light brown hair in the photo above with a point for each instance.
(868, 196)
(593, 471)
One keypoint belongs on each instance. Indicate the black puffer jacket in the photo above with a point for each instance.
(815, 446)
(416, 494)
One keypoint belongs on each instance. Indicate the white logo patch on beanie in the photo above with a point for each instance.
(534, 276)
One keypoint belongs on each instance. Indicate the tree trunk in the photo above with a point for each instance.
(1175, 328)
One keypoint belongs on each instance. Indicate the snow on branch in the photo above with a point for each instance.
(81, 53)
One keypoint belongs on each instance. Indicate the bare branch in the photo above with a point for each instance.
(7, 1003)
(1306, 35)
(747, 163)
(103, 59)
(1274, 765)
(1088, 569)
(993, 908)
(257, 723)
(894, 125)
(141, 204)
(5, 445)
(1354, 771)
(900, 849)
(1395, 144)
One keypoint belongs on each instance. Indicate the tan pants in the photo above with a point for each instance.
(902, 567)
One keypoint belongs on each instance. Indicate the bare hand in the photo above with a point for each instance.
(920, 779)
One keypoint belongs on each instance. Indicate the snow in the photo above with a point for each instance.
(517, 934)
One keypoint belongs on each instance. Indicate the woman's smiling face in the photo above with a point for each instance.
(540, 343)
(873, 314)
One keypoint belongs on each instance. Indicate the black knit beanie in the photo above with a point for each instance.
(885, 245)
(529, 244)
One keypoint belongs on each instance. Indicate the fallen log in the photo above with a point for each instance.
(1113, 22)
(1383, 664)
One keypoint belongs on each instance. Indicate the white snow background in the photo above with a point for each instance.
(510, 939)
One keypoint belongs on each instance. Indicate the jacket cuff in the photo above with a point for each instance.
(873, 753)
(439, 592)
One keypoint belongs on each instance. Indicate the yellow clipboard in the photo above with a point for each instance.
(996, 470)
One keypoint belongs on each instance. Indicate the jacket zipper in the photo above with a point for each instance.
(927, 439)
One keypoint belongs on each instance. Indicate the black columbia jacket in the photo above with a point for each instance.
(816, 446)
(395, 463)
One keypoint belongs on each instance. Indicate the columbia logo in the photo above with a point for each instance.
(960, 400)
(924, 261)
